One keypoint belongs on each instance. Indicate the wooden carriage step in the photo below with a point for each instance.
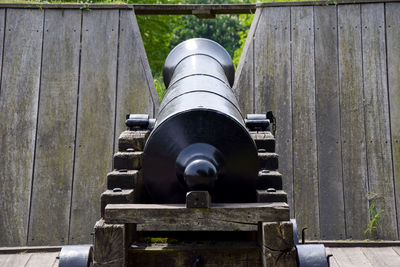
(123, 196)
(222, 254)
(264, 140)
(268, 161)
(269, 179)
(266, 196)
(123, 178)
(176, 217)
(132, 139)
(128, 160)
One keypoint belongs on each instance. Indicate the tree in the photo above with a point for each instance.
(224, 29)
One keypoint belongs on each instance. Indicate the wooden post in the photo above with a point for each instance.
(276, 239)
(111, 243)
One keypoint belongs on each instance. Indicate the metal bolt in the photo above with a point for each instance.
(130, 150)
(271, 190)
(117, 189)
(123, 170)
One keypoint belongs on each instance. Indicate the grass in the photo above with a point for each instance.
(374, 216)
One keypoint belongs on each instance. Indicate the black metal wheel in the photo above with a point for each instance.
(76, 256)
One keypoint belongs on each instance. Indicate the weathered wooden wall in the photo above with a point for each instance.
(68, 77)
(331, 75)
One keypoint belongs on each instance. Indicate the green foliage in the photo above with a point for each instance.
(157, 33)
(374, 216)
(245, 21)
(224, 29)
(160, 87)
(162, 33)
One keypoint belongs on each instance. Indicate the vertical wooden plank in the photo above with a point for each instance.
(393, 67)
(244, 85)
(244, 76)
(56, 128)
(352, 121)
(306, 197)
(18, 112)
(351, 256)
(146, 67)
(133, 89)
(331, 202)
(377, 124)
(273, 84)
(2, 30)
(95, 132)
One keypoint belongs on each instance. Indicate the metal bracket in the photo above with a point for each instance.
(257, 122)
(136, 122)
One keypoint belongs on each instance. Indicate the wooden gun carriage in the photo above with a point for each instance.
(198, 186)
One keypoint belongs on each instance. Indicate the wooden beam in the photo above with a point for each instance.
(194, 9)
(176, 217)
(188, 9)
(277, 244)
(323, 3)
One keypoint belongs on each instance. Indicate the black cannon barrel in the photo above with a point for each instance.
(200, 141)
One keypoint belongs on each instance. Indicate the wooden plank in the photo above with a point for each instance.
(176, 217)
(277, 246)
(2, 29)
(110, 246)
(15, 260)
(397, 250)
(243, 86)
(377, 121)
(145, 64)
(355, 183)
(134, 89)
(41, 5)
(331, 201)
(356, 243)
(42, 259)
(188, 9)
(273, 84)
(393, 68)
(381, 256)
(332, 260)
(304, 121)
(19, 98)
(25, 249)
(56, 128)
(322, 3)
(184, 9)
(95, 132)
(349, 257)
(56, 263)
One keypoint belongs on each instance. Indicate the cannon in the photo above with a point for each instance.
(198, 171)
(199, 140)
